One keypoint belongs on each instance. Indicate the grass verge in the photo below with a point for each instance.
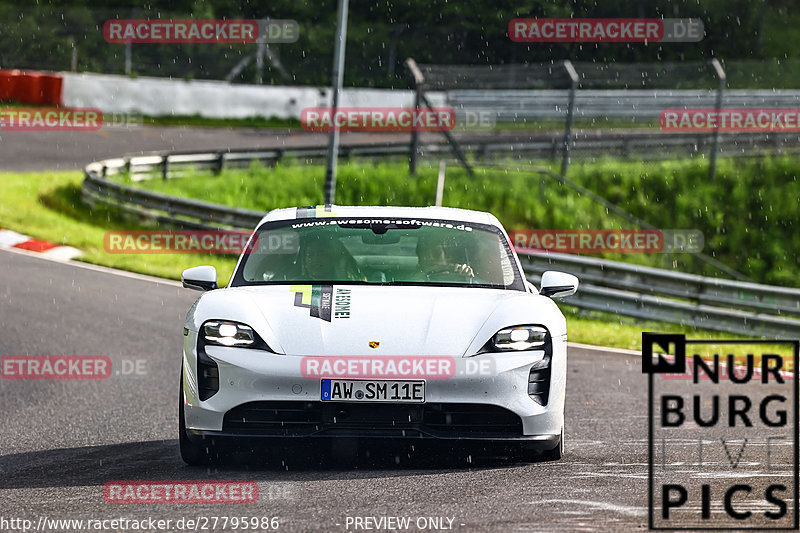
(748, 215)
(48, 206)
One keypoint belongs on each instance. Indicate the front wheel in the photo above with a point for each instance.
(556, 453)
(529, 454)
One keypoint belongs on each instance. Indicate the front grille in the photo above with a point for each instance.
(274, 418)
(467, 418)
(319, 418)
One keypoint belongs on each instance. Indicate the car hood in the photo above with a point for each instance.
(351, 319)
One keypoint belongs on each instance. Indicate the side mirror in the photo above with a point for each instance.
(558, 284)
(200, 278)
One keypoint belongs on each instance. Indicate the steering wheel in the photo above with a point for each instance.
(438, 269)
(451, 271)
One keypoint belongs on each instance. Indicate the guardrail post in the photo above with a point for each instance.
(573, 76)
(712, 171)
(416, 75)
(418, 79)
(220, 163)
(165, 167)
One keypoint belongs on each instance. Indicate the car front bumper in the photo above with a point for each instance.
(264, 395)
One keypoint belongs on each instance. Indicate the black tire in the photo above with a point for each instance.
(192, 453)
(556, 453)
(527, 454)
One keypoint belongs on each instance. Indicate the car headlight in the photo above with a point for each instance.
(519, 338)
(228, 333)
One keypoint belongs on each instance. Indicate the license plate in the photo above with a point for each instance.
(362, 390)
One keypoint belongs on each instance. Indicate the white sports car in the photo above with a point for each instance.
(387, 322)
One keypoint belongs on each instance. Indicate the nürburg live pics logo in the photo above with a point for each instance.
(722, 433)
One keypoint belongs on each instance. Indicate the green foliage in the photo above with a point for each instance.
(748, 215)
(48, 206)
(471, 32)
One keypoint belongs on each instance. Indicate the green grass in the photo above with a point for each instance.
(748, 216)
(198, 121)
(47, 206)
(781, 38)
(603, 329)
(294, 124)
(771, 73)
(580, 123)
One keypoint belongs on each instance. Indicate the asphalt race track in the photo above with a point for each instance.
(63, 440)
(70, 150)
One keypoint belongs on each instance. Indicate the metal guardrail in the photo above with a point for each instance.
(620, 288)
(535, 92)
(180, 212)
(518, 105)
(553, 75)
(198, 214)
(97, 188)
(656, 294)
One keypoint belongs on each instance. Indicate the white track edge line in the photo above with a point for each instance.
(96, 268)
(621, 351)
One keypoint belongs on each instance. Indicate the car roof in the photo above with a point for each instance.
(361, 211)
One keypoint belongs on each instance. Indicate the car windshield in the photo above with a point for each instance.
(399, 251)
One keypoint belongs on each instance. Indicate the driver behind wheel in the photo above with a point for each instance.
(326, 259)
(432, 258)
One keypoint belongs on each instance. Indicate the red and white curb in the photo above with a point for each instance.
(12, 239)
